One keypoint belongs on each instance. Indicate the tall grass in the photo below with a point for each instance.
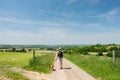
(41, 63)
(100, 67)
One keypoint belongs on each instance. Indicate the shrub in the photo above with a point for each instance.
(41, 63)
(85, 52)
(109, 54)
(118, 53)
(13, 49)
(100, 53)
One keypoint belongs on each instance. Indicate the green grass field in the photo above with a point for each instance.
(9, 60)
(100, 67)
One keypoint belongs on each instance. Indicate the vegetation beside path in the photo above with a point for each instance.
(101, 67)
(41, 63)
(24, 60)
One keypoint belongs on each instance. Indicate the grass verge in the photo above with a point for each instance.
(41, 63)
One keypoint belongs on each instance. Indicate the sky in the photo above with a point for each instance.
(54, 22)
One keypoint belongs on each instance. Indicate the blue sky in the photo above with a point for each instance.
(59, 22)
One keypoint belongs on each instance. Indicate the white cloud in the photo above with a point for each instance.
(44, 26)
(94, 2)
(12, 20)
(50, 36)
(59, 33)
(71, 14)
(29, 22)
(56, 36)
(55, 14)
(111, 15)
(47, 4)
(91, 2)
(71, 1)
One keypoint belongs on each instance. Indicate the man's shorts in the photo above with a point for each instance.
(60, 59)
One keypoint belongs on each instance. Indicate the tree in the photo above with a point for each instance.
(22, 50)
(100, 53)
(109, 53)
(13, 49)
(113, 48)
(85, 52)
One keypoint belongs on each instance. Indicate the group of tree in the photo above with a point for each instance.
(95, 48)
(13, 50)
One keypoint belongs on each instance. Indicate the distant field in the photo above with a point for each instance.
(45, 51)
(9, 60)
(95, 53)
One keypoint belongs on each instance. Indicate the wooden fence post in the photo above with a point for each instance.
(33, 54)
(114, 57)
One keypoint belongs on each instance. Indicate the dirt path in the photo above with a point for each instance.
(69, 72)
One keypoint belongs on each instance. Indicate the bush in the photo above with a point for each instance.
(13, 49)
(118, 53)
(109, 54)
(85, 52)
(100, 53)
(41, 63)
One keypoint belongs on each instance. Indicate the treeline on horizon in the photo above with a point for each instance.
(52, 46)
(27, 48)
(37, 46)
(69, 49)
(98, 48)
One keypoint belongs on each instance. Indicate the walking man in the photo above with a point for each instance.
(60, 57)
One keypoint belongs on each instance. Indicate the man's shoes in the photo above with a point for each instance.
(61, 67)
(54, 70)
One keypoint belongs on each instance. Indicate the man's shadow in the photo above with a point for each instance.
(67, 68)
(64, 68)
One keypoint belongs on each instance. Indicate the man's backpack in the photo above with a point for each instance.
(60, 54)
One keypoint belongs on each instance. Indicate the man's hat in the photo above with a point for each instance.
(59, 48)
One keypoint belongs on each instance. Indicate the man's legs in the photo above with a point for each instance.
(60, 60)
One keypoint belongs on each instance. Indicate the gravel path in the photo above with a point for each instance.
(70, 72)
